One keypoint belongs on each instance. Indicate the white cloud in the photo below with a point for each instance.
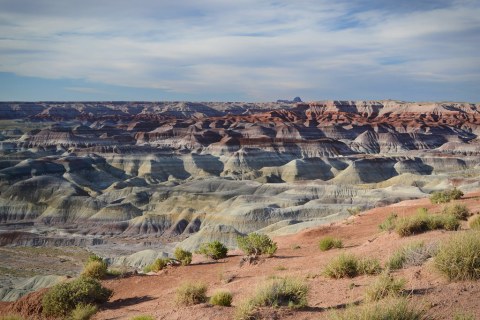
(262, 49)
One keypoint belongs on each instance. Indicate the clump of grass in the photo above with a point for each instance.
(391, 309)
(389, 223)
(190, 293)
(412, 254)
(328, 243)
(459, 257)
(385, 286)
(143, 317)
(281, 268)
(349, 266)
(353, 211)
(221, 298)
(184, 256)
(459, 211)
(291, 292)
(422, 222)
(83, 312)
(157, 265)
(475, 223)
(296, 247)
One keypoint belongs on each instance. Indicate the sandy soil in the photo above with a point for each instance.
(154, 294)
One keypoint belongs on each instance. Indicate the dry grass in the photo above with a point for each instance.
(190, 293)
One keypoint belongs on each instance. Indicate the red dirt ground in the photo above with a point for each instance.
(154, 294)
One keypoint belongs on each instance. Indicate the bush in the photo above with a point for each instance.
(191, 293)
(389, 223)
(475, 223)
(143, 317)
(83, 312)
(95, 269)
(62, 298)
(222, 298)
(422, 222)
(459, 257)
(245, 310)
(459, 211)
(463, 316)
(413, 254)
(184, 256)
(157, 265)
(257, 244)
(328, 243)
(349, 266)
(385, 286)
(391, 309)
(446, 196)
(214, 250)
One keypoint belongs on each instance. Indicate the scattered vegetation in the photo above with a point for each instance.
(83, 312)
(291, 292)
(459, 211)
(183, 256)
(221, 298)
(422, 222)
(412, 254)
(394, 309)
(62, 298)
(214, 250)
(389, 223)
(349, 266)
(190, 293)
(328, 243)
(353, 211)
(257, 244)
(446, 196)
(385, 286)
(475, 223)
(459, 256)
(157, 265)
(296, 247)
(281, 268)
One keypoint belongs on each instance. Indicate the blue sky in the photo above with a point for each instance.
(243, 50)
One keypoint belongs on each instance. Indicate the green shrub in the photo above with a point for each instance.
(83, 312)
(422, 222)
(389, 223)
(388, 309)
(446, 196)
(412, 254)
(475, 223)
(157, 265)
(328, 243)
(214, 250)
(95, 269)
(459, 257)
(385, 286)
(184, 256)
(460, 211)
(62, 298)
(143, 317)
(190, 293)
(221, 298)
(349, 266)
(257, 244)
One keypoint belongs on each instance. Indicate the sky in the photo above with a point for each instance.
(242, 50)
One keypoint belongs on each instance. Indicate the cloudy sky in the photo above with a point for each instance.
(242, 50)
